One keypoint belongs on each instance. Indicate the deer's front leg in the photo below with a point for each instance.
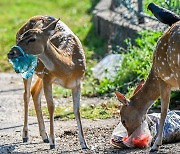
(76, 92)
(49, 98)
(36, 92)
(27, 85)
(165, 92)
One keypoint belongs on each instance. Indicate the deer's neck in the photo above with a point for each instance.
(146, 96)
(53, 59)
(46, 57)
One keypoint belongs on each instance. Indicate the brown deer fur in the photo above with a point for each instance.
(61, 60)
(163, 77)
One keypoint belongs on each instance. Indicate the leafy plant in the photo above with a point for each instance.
(76, 14)
(172, 5)
(135, 66)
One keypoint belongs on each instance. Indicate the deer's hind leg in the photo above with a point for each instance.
(36, 92)
(27, 85)
(76, 93)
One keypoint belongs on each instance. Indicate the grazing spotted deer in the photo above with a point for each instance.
(163, 77)
(61, 60)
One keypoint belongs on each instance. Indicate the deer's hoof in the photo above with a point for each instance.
(25, 139)
(46, 140)
(85, 147)
(153, 150)
(52, 146)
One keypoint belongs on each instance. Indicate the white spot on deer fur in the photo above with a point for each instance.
(69, 52)
(177, 75)
(162, 48)
(164, 58)
(168, 77)
(173, 62)
(162, 63)
(162, 74)
(80, 60)
(165, 44)
(173, 49)
(178, 59)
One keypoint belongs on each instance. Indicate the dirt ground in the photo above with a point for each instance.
(97, 132)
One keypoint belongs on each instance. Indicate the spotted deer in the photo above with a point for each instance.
(61, 60)
(163, 77)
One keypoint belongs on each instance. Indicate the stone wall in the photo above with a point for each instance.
(118, 24)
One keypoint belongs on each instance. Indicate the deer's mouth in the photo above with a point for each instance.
(14, 52)
(140, 138)
(22, 62)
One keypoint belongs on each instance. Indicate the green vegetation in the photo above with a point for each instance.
(91, 111)
(172, 5)
(135, 66)
(76, 14)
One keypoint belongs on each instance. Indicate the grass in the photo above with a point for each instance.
(91, 111)
(172, 5)
(135, 66)
(76, 14)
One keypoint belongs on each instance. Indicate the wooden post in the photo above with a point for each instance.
(140, 11)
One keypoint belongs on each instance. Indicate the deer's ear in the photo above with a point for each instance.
(140, 85)
(50, 27)
(122, 98)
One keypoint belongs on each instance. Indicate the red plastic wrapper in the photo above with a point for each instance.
(140, 138)
(140, 142)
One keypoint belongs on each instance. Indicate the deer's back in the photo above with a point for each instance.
(64, 41)
(167, 56)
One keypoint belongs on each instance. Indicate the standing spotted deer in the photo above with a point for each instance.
(163, 77)
(61, 60)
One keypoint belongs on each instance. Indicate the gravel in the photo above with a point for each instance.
(97, 132)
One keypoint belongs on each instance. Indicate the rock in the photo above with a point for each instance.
(107, 67)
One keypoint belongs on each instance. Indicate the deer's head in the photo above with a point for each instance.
(34, 41)
(131, 117)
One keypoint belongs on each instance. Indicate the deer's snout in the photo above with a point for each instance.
(13, 53)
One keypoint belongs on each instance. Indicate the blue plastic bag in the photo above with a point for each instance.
(24, 64)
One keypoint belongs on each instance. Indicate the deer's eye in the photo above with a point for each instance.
(31, 40)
